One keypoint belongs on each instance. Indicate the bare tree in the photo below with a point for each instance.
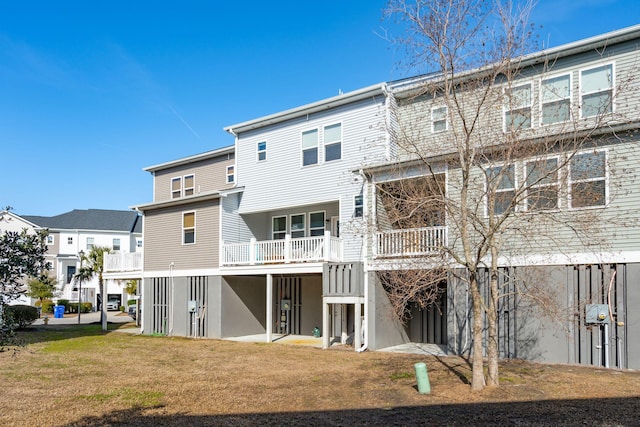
(470, 158)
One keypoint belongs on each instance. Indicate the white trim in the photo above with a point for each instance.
(446, 119)
(304, 223)
(606, 180)
(486, 185)
(541, 102)
(263, 151)
(184, 185)
(171, 190)
(232, 175)
(50, 240)
(558, 170)
(324, 141)
(294, 268)
(182, 273)
(324, 222)
(183, 227)
(612, 87)
(286, 229)
(303, 149)
(508, 98)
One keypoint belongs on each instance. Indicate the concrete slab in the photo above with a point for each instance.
(417, 348)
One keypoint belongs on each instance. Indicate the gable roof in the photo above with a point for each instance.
(197, 157)
(90, 219)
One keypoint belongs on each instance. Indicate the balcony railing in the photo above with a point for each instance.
(289, 250)
(122, 262)
(410, 242)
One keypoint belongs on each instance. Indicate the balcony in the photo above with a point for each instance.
(290, 250)
(411, 242)
(122, 262)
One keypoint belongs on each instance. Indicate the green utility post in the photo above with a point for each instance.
(422, 378)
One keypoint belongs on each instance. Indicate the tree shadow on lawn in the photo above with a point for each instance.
(613, 411)
(45, 333)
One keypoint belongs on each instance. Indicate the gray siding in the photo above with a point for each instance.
(163, 237)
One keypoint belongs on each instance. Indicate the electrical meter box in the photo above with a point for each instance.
(285, 304)
(192, 306)
(597, 313)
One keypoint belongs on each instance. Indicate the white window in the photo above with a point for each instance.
(262, 151)
(542, 184)
(596, 91)
(176, 187)
(501, 185)
(310, 147)
(316, 223)
(90, 243)
(231, 177)
(588, 179)
(555, 94)
(298, 225)
(189, 228)
(69, 240)
(116, 244)
(438, 119)
(279, 227)
(517, 114)
(333, 142)
(189, 185)
(138, 243)
(358, 203)
(49, 239)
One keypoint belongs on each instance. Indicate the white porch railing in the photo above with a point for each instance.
(122, 261)
(289, 250)
(410, 242)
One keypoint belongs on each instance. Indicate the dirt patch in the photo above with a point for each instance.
(80, 376)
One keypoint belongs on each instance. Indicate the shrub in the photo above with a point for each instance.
(86, 307)
(131, 302)
(22, 315)
(64, 302)
(47, 306)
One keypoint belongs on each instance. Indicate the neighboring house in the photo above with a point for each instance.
(80, 230)
(14, 223)
(588, 89)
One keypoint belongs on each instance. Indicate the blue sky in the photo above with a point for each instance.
(91, 92)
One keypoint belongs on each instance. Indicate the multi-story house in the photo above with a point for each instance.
(80, 230)
(556, 155)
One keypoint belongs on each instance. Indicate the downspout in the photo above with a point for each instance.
(171, 307)
(364, 329)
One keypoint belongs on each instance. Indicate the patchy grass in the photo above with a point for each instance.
(81, 376)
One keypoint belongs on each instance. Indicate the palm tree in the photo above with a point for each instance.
(95, 267)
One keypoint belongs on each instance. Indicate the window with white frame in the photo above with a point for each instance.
(116, 244)
(138, 243)
(262, 151)
(189, 185)
(588, 179)
(358, 203)
(298, 226)
(188, 228)
(333, 142)
(69, 240)
(90, 243)
(310, 147)
(50, 239)
(438, 119)
(596, 91)
(316, 223)
(278, 227)
(517, 114)
(231, 177)
(501, 183)
(555, 94)
(542, 184)
(176, 187)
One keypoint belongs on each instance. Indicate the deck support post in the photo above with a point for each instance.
(269, 307)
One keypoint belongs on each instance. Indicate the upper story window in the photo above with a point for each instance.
(316, 223)
(333, 142)
(279, 227)
(596, 91)
(310, 147)
(298, 225)
(90, 243)
(517, 114)
(358, 202)
(555, 94)
(116, 244)
(70, 240)
(176, 187)
(188, 228)
(231, 174)
(189, 185)
(50, 239)
(542, 184)
(588, 179)
(262, 151)
(502, 180)
(438, 119)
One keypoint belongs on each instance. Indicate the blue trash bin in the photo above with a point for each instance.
(58, 311)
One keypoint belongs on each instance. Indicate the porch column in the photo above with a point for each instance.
(269, 307)
(325, 324)
(344, 335)
(357, 320)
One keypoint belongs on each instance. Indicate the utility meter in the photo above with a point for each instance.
(285, 304)
(597, 313)
(192, 306)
